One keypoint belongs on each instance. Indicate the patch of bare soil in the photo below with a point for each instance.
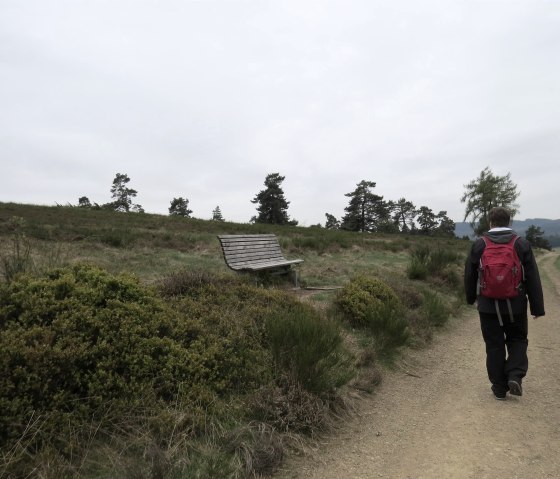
(435, 416)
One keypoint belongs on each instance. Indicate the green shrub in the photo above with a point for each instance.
(40, 232)
(389, 327)
(421, 253)
(407, 291)
(425, 262)
(439, 258)
(118, 238)
(187, 282)
(416, 269)
(363, 294)
(308, 348)
(433, 309)
(79, 340)
(317, 240)
(371, 304)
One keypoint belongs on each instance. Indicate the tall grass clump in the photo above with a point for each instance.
(318, 240)
(434, 309)
(309, 349)
(425, 261)
(417, 268)
(370, 304)
(18, 259)
(118, 238)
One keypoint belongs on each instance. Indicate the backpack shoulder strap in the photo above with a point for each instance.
(514, 240)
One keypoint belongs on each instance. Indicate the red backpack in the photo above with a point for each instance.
(501, 273)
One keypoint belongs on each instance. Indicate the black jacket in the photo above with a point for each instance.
(531, 288)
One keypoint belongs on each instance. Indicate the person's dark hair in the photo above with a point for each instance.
(499, 217)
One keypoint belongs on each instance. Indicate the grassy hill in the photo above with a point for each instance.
(130, 331)
(152, 246)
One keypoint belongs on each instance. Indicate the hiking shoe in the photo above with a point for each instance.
(499, 393)
(515, 387)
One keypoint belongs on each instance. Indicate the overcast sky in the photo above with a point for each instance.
(202, 99)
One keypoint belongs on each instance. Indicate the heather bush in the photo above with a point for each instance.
(372, 305)
(78, 344)
(362, 295)
(308, 348)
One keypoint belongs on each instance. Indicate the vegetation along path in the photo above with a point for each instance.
(435, 416)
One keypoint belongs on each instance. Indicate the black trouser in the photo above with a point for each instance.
(511, 336)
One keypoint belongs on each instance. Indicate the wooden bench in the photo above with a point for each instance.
(255, 253)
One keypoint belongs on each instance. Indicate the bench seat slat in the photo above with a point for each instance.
(249, 254)
(236, 238)
(234, 249)
(264, 265)
(249, 261)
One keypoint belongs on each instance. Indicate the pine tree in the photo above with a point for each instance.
(332, 223)
(403, 215)
(366, 210)
(535, 236)
(180, 207)
(217, 214)
(427, 220)
(83, 202)
(272, 205)
(446, 226)
(121, 194)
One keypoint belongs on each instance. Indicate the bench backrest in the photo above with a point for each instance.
(246, 250)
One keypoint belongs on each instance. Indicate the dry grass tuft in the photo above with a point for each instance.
(290, 407)
(259, 447)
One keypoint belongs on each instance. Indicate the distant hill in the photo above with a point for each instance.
(551, 228)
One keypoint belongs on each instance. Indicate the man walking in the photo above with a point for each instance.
(503, 315)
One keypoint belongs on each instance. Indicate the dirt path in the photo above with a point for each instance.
(446, 424)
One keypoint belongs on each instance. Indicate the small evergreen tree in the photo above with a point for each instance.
(180, 207)
(84, 202)
(332, 223)
(272, 205)
(217, 214)
(121, 194)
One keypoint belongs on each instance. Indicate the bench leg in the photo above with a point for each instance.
(295, 278)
